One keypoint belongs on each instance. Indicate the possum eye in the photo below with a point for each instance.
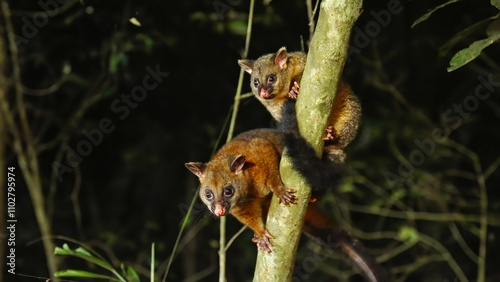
(228, 191)
(209, 195)
(256, 83)
(271, 78)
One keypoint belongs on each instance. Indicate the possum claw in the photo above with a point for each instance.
(263, 242)
(330, 134)
(294, 91)
(287, 197)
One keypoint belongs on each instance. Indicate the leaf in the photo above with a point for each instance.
(468, 54)
(83, 254)
(238, 27)
(134, 21)
(130, 274)
(460, 36)
(81, 273)
(428, 14)
(408, 233)
(495, 3)
(82, 251)
(148, 42)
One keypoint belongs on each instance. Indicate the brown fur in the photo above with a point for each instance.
(253, 180)
(288, 68)
(252, 184)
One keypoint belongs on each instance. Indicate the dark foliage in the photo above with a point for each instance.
(130, 182)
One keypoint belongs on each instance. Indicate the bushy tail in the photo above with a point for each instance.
(318, 226)
(319, 173)
(354, 250)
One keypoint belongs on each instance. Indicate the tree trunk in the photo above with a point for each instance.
(323, 71)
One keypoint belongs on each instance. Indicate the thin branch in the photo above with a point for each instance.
(483, 198)
(310, 16)
(492, 168)
(435, 244)
(438, 217)
(46, 91)
(76, 204)
(28, 161)
(91, 97)
(199, 276)
(408, 269)
(237, 98)
(234, 237)
(177, 240)
(461, 173)
(461, 242)
(384, 84)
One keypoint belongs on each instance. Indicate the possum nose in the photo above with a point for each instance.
(264, 93)
(219, 210)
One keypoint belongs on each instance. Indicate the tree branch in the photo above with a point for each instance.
(323, 71)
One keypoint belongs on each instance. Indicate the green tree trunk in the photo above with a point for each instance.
(323, 71)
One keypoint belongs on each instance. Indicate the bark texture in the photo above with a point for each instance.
(325, 62)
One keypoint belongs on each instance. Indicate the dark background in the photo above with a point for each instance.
(133, 189)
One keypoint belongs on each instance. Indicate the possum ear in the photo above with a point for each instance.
(246, 65)
(281, 58)
(237, 164)
(196, 168)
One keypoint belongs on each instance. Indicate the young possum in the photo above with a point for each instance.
(276, 77)
(240, 180)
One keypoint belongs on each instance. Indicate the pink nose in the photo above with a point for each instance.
(264, 94)
(219, 210)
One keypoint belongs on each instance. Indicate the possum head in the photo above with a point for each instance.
(223, 183)
(267, 73)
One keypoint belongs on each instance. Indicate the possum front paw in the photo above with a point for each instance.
(330, 134)
(263, 242)
(294, 91)
(286, 197)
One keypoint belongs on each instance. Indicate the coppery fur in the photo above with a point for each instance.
(262, 149)
(253, 183)
(288, 68)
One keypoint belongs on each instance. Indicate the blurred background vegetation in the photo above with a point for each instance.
(429, 212)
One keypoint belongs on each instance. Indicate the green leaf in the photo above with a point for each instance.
(81, 273)
(468, 54)
(83, 254)
(130, 274)
(82, 251)
(346, 187)
(238, 27)
(147, 41)
(134, 21)
(408, 233)
(428, 14)
(495, 3)
(460, 36)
